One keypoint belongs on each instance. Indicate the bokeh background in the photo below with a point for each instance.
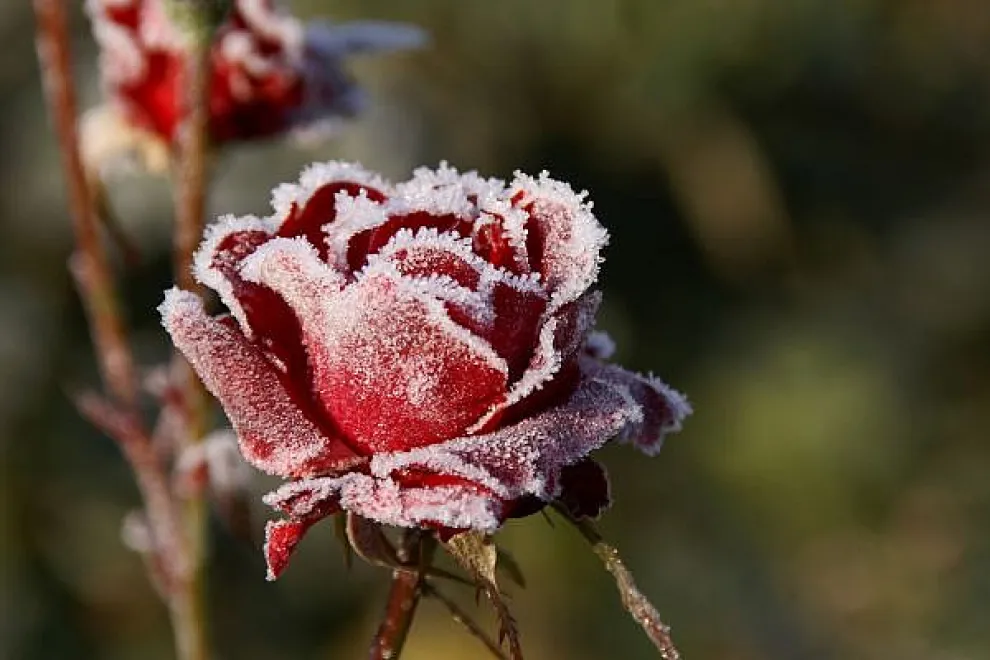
(798, 193)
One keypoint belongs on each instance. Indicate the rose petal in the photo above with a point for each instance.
(527, 458)
(274, 432)
(455, 506)
(389, 365)
(281, 539)
(564, 240)
(664, 408)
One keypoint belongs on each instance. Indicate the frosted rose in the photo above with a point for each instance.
(418, 354)
(270, 72)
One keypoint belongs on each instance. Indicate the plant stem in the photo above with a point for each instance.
(638, 606)
(191, 188)
(89, 265)
(414, 549)
(463, 618)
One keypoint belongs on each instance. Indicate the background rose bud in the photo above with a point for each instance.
(270, 72)
(416, 353)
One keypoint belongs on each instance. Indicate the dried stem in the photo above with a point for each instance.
(89, 265)
(191, 188)
(463, 618)
(638, 606)
(415, 548)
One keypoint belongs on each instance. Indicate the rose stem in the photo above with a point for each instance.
(415, 548)
(461, 617)
(638, 606)
(89, 264)
(91, 270)
(191, 187)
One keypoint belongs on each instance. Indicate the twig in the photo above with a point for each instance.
(638, 606)
(463, 618)
(89, 265)
(403, 597)
(191, 187)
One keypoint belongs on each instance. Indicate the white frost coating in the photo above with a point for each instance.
(526, 458)
(574, 237)
(121, 57)
(292, 268)
(387, 502)
(680, 409)
(600, 345)
(416, 195)
(209, 276)
(274, 25)
(318, 175)
(429, 238)
(354, 215)
(218, 453)
(274, 434)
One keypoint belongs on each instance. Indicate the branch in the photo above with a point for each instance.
(403, 597)
(89, 265)
(638, 606)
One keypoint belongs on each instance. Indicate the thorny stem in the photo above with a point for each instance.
(89, 265)
(638, 606)
(415, 548)
(461, 617)
(192, 185)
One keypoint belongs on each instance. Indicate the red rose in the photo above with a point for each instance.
(419, 353)
(270, 73)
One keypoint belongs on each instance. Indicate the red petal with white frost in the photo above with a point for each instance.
(281, 539)
(460, 505)
(664, 408)
(390, 367)
(495, 304)
(526, 458)
(564, 240)
(274, 432)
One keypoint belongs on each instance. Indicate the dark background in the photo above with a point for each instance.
(797, 192)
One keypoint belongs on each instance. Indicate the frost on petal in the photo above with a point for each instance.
(527, 458)
(275, 433)
(495, 304)
(307, 208)
(281, 539)
(394, 371)
(564, 239)
(664, 408)
(453, 505)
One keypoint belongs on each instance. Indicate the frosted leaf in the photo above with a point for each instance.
(219, 456)
(526, 458)
(565, 239)
(275, 435)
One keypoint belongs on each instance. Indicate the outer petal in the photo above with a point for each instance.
(527, 458)
(585, 489)
(664, 408)
(390, 367)
(457, 506)
(275, 435)
(564, 240)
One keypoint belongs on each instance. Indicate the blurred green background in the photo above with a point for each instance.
(798, 193)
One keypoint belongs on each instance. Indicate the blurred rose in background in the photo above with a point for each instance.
(799, 200)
